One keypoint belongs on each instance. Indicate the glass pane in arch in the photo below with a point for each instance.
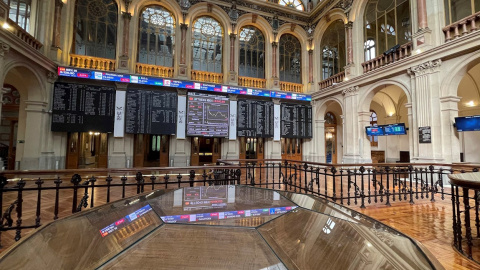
(95, 28)
(290, 51)
(296, 4)
(156, 39)
(330, 118)
(252, 53)
(333, 49)
(207, 45)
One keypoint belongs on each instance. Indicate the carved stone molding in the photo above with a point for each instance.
(182, 92)
(350, 91)
(52, 76)
(4, 48)
(427, 67)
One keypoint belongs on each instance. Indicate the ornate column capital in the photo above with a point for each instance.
(349, 25)
(4, 48)
(310, 52)
(126, 15)
(274, 44)
(233, 97)
(182, 92)
(233, 36)
(350, 91)
(276, 100)
(52, 76)
(425, 68)
(59, 3)
(183, 26)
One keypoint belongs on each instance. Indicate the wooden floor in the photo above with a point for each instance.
(428, 222)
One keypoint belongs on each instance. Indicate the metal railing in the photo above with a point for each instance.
(30, 198)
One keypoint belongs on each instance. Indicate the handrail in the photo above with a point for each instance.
(24, 35)
(252, 82)
(405, 50)
(291, 87)
(336, 78)
(204, 76)
(468, 25)
(153, 70)
(90, 62)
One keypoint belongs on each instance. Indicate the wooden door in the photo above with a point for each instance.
(297, 149)
(102, 156)
(195, 152)
(260, 148)
(164, 150)
(216, 151)
(243, 150)
(139, 150)
(73, 150)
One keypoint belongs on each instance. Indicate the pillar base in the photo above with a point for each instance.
(56, 54)
(123, 64)
(350, 71)
(422, 40)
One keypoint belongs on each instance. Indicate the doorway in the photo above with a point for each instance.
(151, 150)
(251, 148)
(291, 148)
(9, 126)
(330, 138)
(87, 150)
(205, 151)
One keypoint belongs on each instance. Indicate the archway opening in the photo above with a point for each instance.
(9, 125)
(333, 132)
(387, 113)
(469, 105)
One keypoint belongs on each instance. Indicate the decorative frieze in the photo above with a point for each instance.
(4, 48)
(425, 68)
(350, 91)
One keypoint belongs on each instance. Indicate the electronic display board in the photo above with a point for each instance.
(83, 108)
(468, 123)
(125, 221)
(296, 121)
(151, 112)
(207, 115)
(227, 214)
(254, 118)
(395, 129)
(374, 131)
(146, 80)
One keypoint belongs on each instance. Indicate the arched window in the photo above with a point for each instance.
(252, 53)
(207, 42)
(296, 4)
(20, 12)
(333, 49)
(455, 10)
(156, 37)
(373, 122)
(387, 23)
(95, 28)
(369, 48)
(290, 59)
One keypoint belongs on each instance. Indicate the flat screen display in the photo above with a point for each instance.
(125, 221)
(468, 123)
(395, 129)
(207, 115)
(196, 198)
(83, 108)
(375, 131)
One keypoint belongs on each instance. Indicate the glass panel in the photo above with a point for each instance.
(297, 4)
(221, 205)
(290, 59)
(333, 49)
(460, 9)
(85, 240)
(403, 23)
(252, 52)
(100, 35)
(362, 247)
(381, 44)
(390, 30)
(158, 24)
(207, 45)
(199, 247)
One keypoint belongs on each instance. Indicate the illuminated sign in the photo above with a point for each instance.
(145, 80)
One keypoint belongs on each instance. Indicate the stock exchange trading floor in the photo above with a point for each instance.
(218, 227)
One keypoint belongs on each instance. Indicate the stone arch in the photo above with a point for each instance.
(449, 85)
(137, 5)
(321, 109)
(302, 36)
(367, 96)
(36, 91)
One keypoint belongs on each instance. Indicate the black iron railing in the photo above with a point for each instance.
(466, 216)
(28, 199)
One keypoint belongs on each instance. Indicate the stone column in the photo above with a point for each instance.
(123, 64)
(4, 49)
(426, 110)
(276, 83)
(273, 148)
(310, 66)
(422, 14)
(320, 140)
(412, 132)
(183, 51)
(57, 23)
(232, 73)
(349, 37)
(180, 148)
(353, 142)
(449, 108)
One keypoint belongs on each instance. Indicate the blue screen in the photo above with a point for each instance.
(375, 131)
(395, 129)
(468, 123)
